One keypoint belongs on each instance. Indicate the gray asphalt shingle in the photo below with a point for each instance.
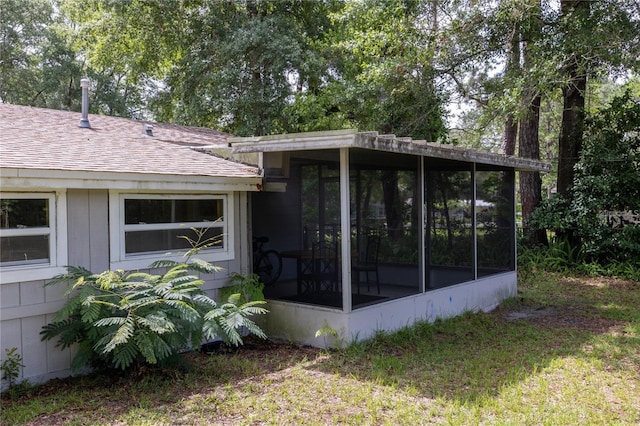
(38, 138)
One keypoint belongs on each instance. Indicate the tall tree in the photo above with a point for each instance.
(244, 63)
(387, 78)
(512, 68)
(573, 94)
(576, 43)
(528, 138)
(595, 38)
(23, 32)
(41, 63)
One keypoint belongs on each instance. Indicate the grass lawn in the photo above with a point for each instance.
(565, 351)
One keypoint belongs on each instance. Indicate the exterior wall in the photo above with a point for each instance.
(28, 306)
(299, 323)
(88, 229)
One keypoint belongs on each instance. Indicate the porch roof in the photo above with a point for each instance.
(352, 138)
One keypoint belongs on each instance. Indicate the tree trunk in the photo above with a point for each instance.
(512, 69)
(572, 127)
(510, 135)
(392, 209)
(529, 143)
(531, 182)
(570, 142)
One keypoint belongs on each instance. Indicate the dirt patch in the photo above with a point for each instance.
(571, 318)
(603, 282)
(529, 313)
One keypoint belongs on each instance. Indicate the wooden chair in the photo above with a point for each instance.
(368, 262)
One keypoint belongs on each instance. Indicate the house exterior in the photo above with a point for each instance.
(420, 231)
(110, 196)
(111, 193)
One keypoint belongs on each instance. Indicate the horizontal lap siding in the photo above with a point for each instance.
(27, 306)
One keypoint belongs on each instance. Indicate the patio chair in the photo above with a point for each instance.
(368, 263)
(325, 266)
(306, 273)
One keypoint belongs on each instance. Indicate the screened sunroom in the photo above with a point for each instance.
(376, 232)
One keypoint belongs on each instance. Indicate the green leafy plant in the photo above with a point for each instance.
(121, 319)
(11, 366)
(607, 179)
(331, 336)
(248, 287)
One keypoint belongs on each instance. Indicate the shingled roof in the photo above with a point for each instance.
(51, 140)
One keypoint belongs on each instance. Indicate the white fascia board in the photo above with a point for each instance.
(295, 141)
(30, 178)
(387, 143)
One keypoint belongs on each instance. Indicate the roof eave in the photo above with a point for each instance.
(20, 178)
(388, 143)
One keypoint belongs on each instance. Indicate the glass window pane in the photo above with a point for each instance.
(20, 213)
(494, 221)
(141, 211)
(172, 239)
(449, 248)
(24, 249)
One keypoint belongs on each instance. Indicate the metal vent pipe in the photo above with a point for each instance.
(84, 121)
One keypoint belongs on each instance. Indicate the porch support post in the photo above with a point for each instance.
(422, 264)
(474, 221)
(345, 229)
(514, 224)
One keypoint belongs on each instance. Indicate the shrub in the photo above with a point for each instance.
(11, 366)
(607, 179)
(120, 319)
(248, 287)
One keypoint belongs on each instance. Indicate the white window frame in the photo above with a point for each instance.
(117, 229)
(57, 232)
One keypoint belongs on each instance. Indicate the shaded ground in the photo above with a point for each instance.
(563, 318)
(582, 304)
(575, 309)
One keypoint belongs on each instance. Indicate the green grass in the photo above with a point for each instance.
(574, 360)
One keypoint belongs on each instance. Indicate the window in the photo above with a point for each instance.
(151, 226)
(29, 245)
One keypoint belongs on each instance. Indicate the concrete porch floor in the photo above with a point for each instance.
(286, 290)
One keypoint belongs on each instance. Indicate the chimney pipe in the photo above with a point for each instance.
(84, 121)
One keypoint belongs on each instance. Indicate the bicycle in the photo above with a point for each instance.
(267, 264)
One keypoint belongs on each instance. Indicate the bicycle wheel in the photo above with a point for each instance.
(269, 267)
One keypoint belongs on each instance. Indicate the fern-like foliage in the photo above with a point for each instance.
(119, 319)
(225, 320)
